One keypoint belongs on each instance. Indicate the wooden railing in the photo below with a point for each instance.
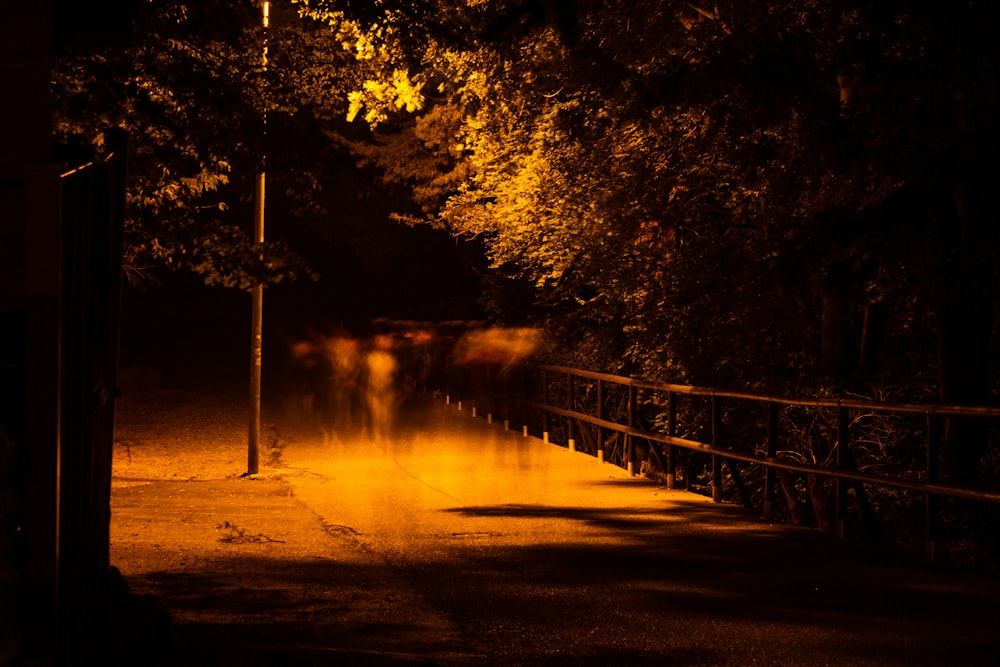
(817, 447)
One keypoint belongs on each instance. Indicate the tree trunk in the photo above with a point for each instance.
(835, 325)
(963, 351)
(821, 508)
(872, 338)
(788, 488)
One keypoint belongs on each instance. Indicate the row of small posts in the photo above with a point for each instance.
(474, 411)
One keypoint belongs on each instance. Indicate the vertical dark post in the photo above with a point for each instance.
(843, 455)
(600, 415)
(932, 517)
(523, 400)
(482, 397)
(505, 402)
(571, 405)
(672, 432)
(44, 331)
(256, 349)
(629, 439)
(716, 461)
(257, 295)
(545, 402)
(772, 453)
(32, 248)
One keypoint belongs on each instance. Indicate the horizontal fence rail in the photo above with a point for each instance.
(840, 404)
(750, 434)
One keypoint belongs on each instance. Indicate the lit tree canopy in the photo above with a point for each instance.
(733, 186)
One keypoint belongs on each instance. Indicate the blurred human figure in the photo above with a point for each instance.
(337, 411)
(493, 358)
(414, 362)
(380, 365)
(305, 384)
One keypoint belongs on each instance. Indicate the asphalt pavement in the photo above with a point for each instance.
(455, 541)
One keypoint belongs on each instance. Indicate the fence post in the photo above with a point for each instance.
(672, 432)
(545, 401)
(716, 463)
(629, 440)
(570, 435)
(772, 453)
(932, 516)
(522, 401)
(488, 408)
(843, 442)
(600, 415)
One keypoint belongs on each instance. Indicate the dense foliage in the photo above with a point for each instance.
(790, 196)
(202, 111)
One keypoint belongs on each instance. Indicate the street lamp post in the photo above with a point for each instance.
(257, 293)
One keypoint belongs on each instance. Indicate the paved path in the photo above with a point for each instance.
(536, 555)
(461, 543)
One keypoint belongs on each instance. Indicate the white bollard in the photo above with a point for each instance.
(600, 456)
(545, 437)
(489, 417)
(473, 411)
(506, 424)
(524, 430)
(572, 445)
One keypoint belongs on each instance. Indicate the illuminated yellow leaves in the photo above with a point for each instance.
(354, 38)
(387, 87)
(363, 47)
(407, 95)
(380, 98)
(529, 195)
(356, 100)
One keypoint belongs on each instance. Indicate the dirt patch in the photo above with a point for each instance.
(178, 435)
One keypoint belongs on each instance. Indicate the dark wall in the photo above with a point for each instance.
(32, 250)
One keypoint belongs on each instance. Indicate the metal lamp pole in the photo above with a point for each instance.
(257, 293)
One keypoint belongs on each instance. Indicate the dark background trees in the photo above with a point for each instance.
(202, 112)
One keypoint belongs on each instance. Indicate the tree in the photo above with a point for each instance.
(791, 196)
(770, 195)
(201, 113)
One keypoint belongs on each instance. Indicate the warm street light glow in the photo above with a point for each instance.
(496, 345)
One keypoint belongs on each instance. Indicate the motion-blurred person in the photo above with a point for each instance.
(339, 409)
(380, 365)
(304, 389)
